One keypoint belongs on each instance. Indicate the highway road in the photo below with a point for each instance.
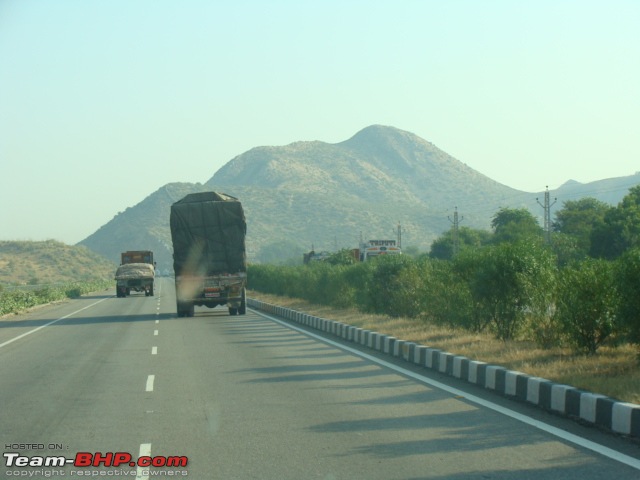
(109, 380)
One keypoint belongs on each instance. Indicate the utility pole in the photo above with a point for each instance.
(547, 215)
(456, 222)
(399, 236)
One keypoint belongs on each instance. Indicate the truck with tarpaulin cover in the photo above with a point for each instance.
(137, 277)
(208, 232)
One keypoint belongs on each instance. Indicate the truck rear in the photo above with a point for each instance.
(137, 277)
(208, 232)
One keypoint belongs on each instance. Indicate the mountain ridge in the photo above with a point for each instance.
(329, 194)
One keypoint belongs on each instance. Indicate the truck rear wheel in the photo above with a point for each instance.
(185, 309)
(233, 311)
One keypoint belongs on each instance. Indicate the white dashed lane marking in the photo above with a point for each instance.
(150, 380)
(142, 472)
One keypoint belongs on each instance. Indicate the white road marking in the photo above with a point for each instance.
(569, 437)
(154, 350)
(157, 321)
(155, 332)
(145, 451)
(50, 323)
(150, 380)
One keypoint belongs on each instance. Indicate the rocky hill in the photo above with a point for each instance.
(328, 195)
(50, 262)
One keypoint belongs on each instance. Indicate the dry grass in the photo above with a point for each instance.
(613, 371)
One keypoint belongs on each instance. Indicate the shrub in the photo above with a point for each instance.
(385, 290)
(628, 283)
(587, 303)
(446, 298)
(507, 282)
(19, 300)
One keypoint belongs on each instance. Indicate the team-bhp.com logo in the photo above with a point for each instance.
(86, 459)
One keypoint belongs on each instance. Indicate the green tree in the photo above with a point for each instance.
(442, 247)
(385, 291)
(578, 219)
(628, 284)
(466, 267)
(620, 230)
(587, 303)
(566, 249)
(445, 296)
(508, 281)
(342, 257)
(515, 224)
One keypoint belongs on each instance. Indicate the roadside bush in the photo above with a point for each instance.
(318, 282)
(445, 296)
(358, 277)
(466, 266)
(628, 283)
(405, 297)
(515, 290)
(20, 300)
(260, 278)
(324, 284)
(587, 303)
(386, 290)
(505, 282)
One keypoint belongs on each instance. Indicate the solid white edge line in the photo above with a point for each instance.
(150, 380)
(569, 437)
(50, 323)
(145, 451)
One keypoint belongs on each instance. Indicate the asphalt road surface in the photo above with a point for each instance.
(109, 381)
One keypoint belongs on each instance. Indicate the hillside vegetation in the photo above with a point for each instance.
(328, 195)
(49, 262)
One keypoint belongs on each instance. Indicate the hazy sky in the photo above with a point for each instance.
(102, 102)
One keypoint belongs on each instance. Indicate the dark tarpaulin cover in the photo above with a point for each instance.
(208, 233)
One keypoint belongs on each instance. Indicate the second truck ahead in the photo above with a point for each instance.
(137, 277)
(209, 256)
(135, 273)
